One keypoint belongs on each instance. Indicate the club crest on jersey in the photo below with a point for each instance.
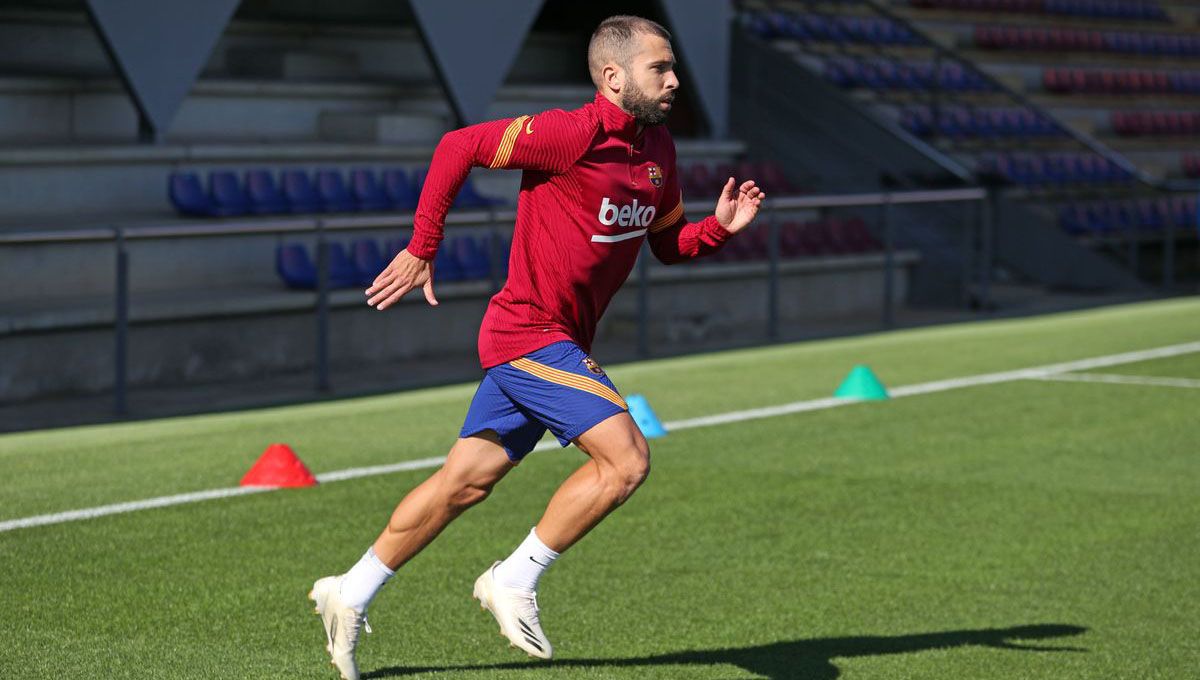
(593, 366)
(655, 175)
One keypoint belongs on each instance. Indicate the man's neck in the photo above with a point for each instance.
(615, 100)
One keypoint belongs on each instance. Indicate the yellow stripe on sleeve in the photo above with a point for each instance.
(504, 151)
(568, 379)
(668, 219)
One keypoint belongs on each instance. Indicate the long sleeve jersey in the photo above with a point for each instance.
(593, 188)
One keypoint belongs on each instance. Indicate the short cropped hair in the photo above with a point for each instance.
(615, 40)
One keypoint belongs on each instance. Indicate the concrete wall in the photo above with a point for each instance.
(690, 304)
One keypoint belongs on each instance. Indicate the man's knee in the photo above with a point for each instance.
(463, 495)
(629, 469)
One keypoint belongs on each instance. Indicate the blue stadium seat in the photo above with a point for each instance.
(188, 195)
(331, 188)
(399, 189)
(470, 198)
(342, 273)
(228, 196)
(368, 260)
(265, 197)
(367, 191)
(301, 196)
(472, 259)
(395, 245)
(295, 267)
(445, 264)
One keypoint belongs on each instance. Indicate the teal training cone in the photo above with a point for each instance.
(644, 416)
(861, 384)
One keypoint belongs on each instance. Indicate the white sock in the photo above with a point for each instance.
(363, 581)
(525, 566)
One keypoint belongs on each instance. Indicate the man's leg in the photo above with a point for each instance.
(619, 462)
(472, 468)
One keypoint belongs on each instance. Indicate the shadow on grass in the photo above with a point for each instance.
(796, 659)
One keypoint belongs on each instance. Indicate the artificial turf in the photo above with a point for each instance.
(1019, 530)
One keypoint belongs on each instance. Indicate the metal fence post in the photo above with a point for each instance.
(322, 359)
(972, 211)
(773, 276)
(986, 228)
(121, 326)
(1134, 246)
(1168, 264)
(643, 301)
(889, 261)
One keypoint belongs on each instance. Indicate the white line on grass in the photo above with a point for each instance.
(1039, 372)
(1111, 379)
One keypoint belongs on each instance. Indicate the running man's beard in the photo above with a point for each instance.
(643, 109)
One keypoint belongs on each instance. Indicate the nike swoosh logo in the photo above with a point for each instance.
(529, 126)
(543, 566)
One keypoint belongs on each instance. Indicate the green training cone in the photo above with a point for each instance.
(861, 384)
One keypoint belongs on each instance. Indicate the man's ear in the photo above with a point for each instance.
(614, 77)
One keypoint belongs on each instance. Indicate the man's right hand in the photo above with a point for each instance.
(404, 273)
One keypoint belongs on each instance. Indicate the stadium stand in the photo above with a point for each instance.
(290, 120)
(1057, 132)
(303, 122)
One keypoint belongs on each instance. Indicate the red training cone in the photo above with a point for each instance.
(279, 466)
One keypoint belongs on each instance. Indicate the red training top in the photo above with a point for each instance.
(592, 189)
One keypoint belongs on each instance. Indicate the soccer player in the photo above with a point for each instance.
(597, 182)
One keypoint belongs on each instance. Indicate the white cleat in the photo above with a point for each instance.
(341, 625)
(517, 613)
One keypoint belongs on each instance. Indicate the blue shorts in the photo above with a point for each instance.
(557, 388)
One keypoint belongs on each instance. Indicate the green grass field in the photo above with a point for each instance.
(1027, 529)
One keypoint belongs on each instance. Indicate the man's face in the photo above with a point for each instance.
(650, 81)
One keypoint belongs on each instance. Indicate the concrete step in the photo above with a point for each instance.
(45, 109)
(383, 128)
(293, 65)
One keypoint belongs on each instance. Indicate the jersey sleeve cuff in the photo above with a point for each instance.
(425, 240)
(712, 228)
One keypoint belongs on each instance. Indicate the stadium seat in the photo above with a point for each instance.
(472, 259)
(445, 264)
(299, 191)
(367, 192)
(264, 194)
(469, 198)
(228, 196)
(295, 267)
(394, 246)
(187, 194)
(789, 243)
(368, 260)
(342, 272)
(334, 196)
(399, 190)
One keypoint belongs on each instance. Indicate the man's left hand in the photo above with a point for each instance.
(738, 205)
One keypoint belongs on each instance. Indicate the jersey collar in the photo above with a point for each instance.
(616, 122)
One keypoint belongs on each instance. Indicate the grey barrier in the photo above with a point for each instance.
(980, 223)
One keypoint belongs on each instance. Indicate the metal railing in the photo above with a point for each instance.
(321, 227)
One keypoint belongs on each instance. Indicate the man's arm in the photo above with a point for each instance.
(673, 239)
(549, 142)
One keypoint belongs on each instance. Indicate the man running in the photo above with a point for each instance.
(597, 181)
